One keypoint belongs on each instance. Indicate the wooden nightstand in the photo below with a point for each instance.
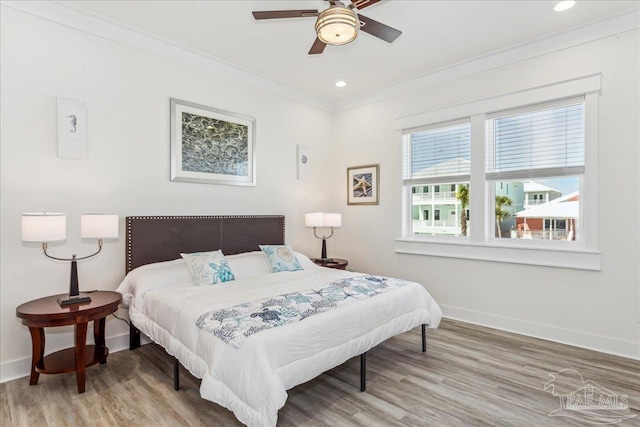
(337, 263)
(46, 312)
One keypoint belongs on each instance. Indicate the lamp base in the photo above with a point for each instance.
(65, 300)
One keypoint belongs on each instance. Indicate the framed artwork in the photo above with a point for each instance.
(211, 146)
(72, 129)
(362, 185)
(303, 162)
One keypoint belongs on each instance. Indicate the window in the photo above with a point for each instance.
(543, 147)
(531, 159)
(438, 156)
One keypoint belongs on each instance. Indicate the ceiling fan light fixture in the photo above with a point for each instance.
(337, 25)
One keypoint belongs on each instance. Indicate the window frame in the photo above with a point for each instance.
(480, 244)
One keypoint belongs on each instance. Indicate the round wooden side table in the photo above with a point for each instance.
(46, 312)
(337, 263)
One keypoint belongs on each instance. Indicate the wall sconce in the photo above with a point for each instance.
(52, 227)
(325, 220)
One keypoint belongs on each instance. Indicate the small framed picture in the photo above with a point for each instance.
(211, 146)
(303, 162)
(72, 129)
(362, 185)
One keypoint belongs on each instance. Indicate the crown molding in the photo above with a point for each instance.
(620, 23)
(66, 14)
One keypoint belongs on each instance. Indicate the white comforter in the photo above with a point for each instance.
(252, 380)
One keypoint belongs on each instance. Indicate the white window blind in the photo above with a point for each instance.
(541, 142)
(431, 154)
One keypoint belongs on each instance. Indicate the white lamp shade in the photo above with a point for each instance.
(333, 220)
(314, 219)
(99, 226)
(44, 227)
(322, 219)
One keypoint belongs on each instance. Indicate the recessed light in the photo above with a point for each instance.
(564, 5)
(341, 83)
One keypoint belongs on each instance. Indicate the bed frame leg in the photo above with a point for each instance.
(176, 374)
(424, 338)
(363, 371)
(134, 337)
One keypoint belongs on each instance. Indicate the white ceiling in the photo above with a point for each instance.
(436, 35)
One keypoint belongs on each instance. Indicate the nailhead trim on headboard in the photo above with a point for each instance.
(131, 219)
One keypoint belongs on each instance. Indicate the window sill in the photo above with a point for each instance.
(562, 257)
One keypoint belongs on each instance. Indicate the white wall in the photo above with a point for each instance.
(127, 93)
(592, 309)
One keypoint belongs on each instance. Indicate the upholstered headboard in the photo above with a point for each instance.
(162, 238)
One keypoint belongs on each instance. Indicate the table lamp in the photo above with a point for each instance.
(52, 227)
(323, 220)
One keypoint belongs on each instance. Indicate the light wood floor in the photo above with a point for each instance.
(470, 376)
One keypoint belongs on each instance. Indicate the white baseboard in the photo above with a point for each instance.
(20, 368)
(599, 343)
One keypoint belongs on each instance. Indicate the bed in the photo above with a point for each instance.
(250, 373)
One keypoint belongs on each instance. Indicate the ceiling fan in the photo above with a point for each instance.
(337, 25)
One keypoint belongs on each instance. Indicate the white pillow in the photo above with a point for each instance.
(248, 264)
(154, 276)
(251, 264)
(208, 268)
(281, 258)
(306, 262)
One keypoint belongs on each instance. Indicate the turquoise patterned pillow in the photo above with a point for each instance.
(281, 258)
(208, 268)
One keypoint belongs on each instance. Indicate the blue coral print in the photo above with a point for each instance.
(235, 324)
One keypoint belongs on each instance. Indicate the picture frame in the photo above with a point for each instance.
(303, 170)
(211, 146)
(363, 185)
(72, 129)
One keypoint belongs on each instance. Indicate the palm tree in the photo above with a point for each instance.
(501, 214)
(463, 196)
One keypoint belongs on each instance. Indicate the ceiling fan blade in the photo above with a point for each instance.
(318, 47)
(361, 4)
(378, 29)
(277, 14)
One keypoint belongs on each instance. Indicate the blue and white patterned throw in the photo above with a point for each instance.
(234, 325)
